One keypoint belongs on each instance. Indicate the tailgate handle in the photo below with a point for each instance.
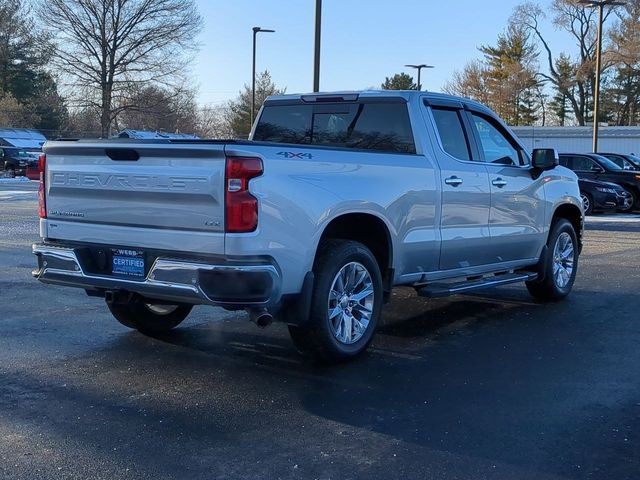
(122, 154)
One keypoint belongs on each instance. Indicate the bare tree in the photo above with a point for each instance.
(214, 122)
(580, 23)
(105, 46)
(471, 82)
(159, 109)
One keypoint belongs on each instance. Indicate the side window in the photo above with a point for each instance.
(617, 160)
(564, 161)
(497, 147)
(452, 134)
(583, 164)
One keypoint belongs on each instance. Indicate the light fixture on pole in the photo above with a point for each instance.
(419, 68)
(316, 47)
(256, 30)
(600, 5)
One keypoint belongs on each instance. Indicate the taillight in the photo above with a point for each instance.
(241, 208)
(42, 205)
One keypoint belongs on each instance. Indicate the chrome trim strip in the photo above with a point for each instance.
(168, 279)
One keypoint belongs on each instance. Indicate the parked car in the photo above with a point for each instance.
(15, 161)
(603, 196)
(336, 199)
(596, 167)
(627, 162)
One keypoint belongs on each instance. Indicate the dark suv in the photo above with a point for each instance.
(627, 162)
(14, 161)
(603, 197)
(596, 167)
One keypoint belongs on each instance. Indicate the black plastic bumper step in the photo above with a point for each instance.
(446, 289)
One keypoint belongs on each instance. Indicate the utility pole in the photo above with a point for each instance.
(316, 50)
(600, 5)
(256, 30)
(419, 68)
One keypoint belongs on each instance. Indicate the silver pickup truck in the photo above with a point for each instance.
(334, 200)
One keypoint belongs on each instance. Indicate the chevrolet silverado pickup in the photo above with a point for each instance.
(334, 200)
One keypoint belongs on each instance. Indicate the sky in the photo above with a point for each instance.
(362, 41)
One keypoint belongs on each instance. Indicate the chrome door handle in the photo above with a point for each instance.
(498, 182)
(453, 181)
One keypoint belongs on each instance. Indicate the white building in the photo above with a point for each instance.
(580, 139)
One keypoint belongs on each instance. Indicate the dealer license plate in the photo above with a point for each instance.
(127, 262)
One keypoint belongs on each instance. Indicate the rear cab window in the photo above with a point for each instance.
(382, 127)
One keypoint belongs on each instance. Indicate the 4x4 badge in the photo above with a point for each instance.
(295, 155)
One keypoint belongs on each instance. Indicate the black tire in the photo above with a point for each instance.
(315, 337)
(548, 290)
(587, 203)
(139, 314)
(10, 172)
(635, 204)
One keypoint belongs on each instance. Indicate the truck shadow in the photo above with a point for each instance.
(459, 376)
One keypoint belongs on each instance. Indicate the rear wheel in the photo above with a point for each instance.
(10, 171)
(148, 317)
(561, 264)
(345, 305)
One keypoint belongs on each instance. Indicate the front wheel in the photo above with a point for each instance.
(147, 317)
(345, 305)
(561, 264)
(635, 200)
(587, 203)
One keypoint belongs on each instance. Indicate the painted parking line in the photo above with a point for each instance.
(620, 218)
(18, 194)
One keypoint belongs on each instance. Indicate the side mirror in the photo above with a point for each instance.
(545, 158)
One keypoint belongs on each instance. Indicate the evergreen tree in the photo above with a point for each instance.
(239, 110)
(400, 81)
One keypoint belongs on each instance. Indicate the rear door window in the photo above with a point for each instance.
(381, 127)
(452, 133)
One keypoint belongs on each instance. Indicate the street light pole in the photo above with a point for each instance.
(600, 4)
(256, 30)
(419, 68)
(316, 49)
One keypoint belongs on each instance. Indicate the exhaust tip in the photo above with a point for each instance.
(261, 317)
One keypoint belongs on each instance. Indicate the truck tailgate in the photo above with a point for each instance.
(136, 188)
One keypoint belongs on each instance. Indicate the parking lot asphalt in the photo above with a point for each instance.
(490, 385)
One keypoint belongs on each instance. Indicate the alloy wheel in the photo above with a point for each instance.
(563, 260)
(351, 301)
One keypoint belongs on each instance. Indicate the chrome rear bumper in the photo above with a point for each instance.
(174, 280)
